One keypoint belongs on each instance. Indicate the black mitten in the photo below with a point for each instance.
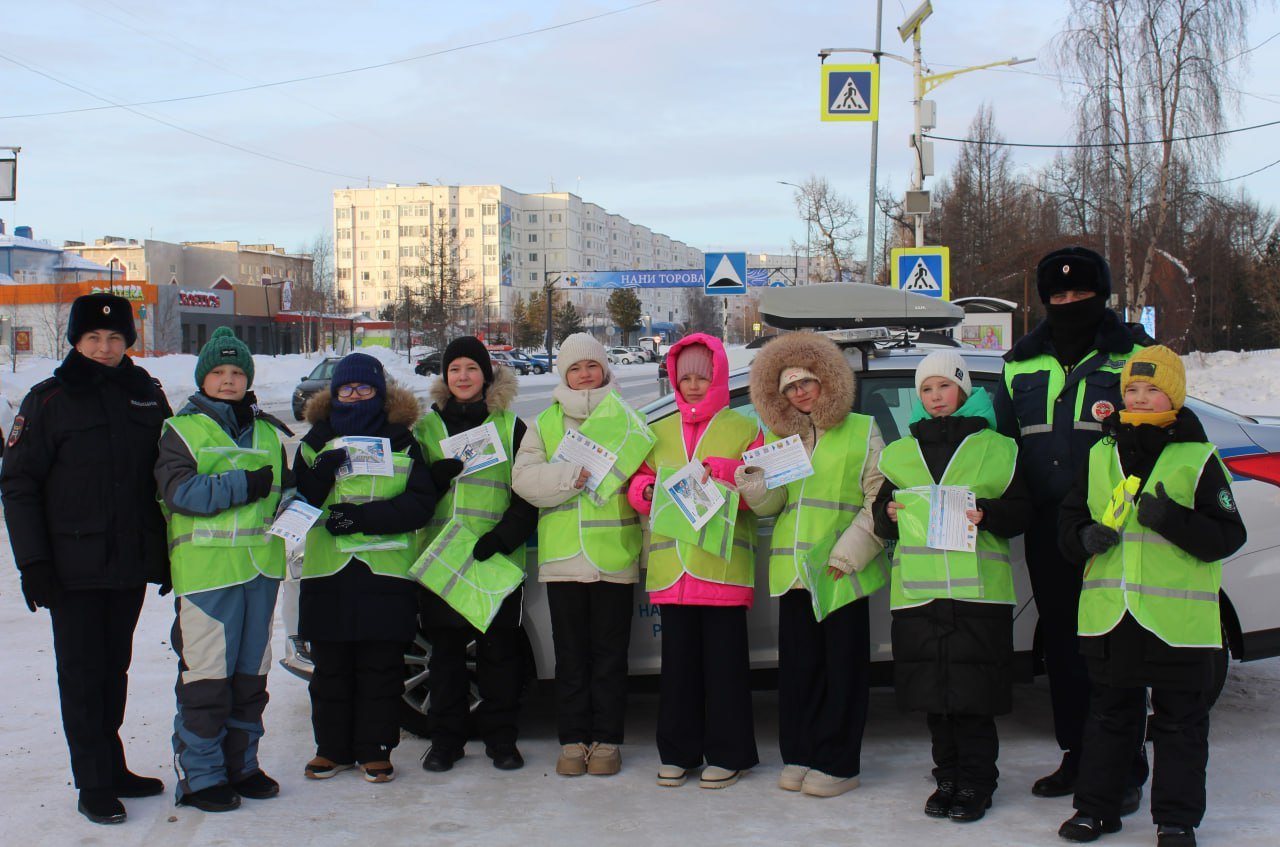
(40, 586)
(327, 463)
(1155, 511)
(258, 483)
(443, 471)
(486, 546)
(1096, 538)
(345, 519)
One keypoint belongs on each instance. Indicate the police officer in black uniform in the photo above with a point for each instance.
(1061, 381)
(87, 533)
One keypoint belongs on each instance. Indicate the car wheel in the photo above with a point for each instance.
(538, 371)
(297, 413)
(417, 686)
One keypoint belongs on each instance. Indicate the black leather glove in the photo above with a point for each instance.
(258, 483)
(1156, 510)
(486, 546)
(1096, 538)
(40, 586)
(443, 471)
(165, 588)
(327, 463)
(345, 519)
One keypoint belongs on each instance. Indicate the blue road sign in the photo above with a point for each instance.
(724, 273)
(922, 270)
(849, 92)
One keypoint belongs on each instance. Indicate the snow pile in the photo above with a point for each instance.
(1247, 382)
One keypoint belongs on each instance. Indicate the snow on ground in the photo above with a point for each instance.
(476, 804)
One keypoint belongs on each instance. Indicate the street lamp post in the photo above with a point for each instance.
(808, 228)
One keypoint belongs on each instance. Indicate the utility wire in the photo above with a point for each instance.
(228, 144)
(345, 72)
(1101, 143)
(1234, 178)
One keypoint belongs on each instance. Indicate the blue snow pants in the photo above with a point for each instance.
(223, 640)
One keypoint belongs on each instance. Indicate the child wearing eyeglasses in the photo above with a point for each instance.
(357, 607)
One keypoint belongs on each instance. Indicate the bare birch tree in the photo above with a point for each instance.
(834, 224)
(1154, 73)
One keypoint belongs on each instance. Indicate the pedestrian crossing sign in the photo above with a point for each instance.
(850, 92)
(922, 270)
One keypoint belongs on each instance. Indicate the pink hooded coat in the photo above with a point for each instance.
(688, 590)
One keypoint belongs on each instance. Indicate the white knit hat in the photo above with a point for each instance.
(579, 346)
(946, 364)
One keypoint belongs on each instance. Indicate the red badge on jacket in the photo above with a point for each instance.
(14, 434)
(1102, 410)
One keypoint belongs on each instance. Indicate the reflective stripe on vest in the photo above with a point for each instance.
(1167, 590)
(820, 508)
(480, 499)
(475, 589)
(608, 536)
(327, 554)
(727, 434)
(231, 547)
(984, 462)
(1038, 422)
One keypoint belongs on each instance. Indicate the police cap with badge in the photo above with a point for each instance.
(1073, 269)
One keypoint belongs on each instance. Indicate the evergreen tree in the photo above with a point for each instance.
(567, 321)
(624, 310)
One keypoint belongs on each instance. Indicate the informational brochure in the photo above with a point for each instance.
(576, 449)
(366, 456)
(477, 448)
(782, 461)
(949, 526)
(698, 501)
(294, 522)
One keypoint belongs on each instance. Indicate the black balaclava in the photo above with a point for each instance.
(1074, 327)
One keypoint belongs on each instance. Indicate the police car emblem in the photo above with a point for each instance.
(1102, 410)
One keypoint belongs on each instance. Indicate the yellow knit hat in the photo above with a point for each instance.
(1161, 367)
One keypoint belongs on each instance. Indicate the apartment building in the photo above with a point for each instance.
(503, 244)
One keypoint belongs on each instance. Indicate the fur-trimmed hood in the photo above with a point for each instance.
(814, 353)
(401, 405)
(498, 395)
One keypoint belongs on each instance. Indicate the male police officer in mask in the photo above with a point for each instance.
(1061, 380)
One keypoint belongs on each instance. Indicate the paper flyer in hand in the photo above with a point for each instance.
(366, 456)
(477, 448)
(949, 526)
(697, 501)
(576, 449)
(782, 461)
(294, 522)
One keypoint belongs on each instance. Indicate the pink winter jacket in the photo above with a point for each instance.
(688, 590)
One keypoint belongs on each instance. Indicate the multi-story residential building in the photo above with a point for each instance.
(503, 245)
(196, 264)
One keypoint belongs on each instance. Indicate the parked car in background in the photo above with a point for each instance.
(622, 356)
(885, 367)
(316, 381)
(502, 357)
(642, 354)
(535, 366)
(541, 358)
(428, 364)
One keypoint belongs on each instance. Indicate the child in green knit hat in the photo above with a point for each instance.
(222, 477)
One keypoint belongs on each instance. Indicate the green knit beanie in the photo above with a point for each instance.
(223, 348)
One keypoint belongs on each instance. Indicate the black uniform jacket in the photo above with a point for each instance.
(78, 483)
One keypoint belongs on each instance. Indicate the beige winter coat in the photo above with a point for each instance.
(858, 545)
(546, 485)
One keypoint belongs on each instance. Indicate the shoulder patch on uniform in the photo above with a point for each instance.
(19, 423)
(1225, 500)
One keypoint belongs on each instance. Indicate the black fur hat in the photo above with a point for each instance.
(1073, 269)
(101, 311)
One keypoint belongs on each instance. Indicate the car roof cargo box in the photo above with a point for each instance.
(851, 305)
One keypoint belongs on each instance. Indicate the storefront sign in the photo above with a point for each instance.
(128, 292)
(199, 299)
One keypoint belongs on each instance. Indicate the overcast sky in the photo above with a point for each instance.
(680, 114)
